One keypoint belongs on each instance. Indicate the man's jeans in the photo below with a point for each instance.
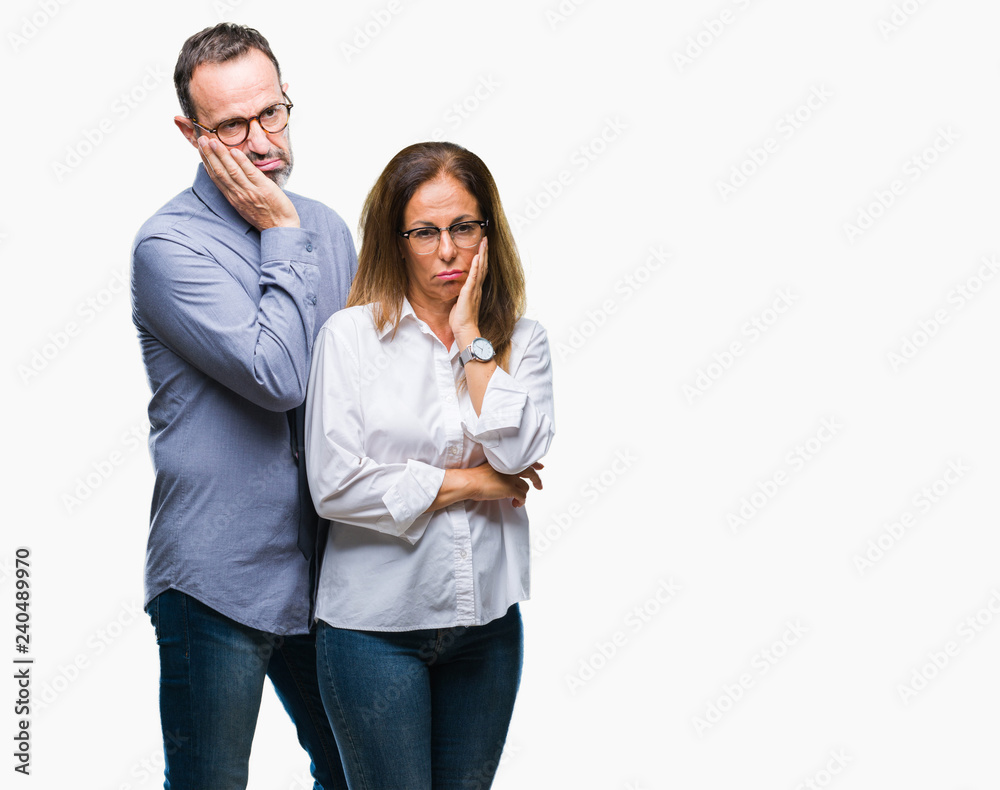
(211, 679)
(414, 710)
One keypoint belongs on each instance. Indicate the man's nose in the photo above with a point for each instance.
(257, 139)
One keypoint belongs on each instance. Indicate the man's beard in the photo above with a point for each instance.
(281, 174)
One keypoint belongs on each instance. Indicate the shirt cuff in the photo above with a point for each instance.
(290, 244)
(409, 498)
(503, 407)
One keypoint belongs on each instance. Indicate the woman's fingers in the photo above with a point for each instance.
(532, 475)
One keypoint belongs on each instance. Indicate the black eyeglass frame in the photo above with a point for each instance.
(287, 104)
(482, 223)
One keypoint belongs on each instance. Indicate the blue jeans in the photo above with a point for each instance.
(416, 710)
(212, 673)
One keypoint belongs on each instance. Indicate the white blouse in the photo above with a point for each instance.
(384, 418)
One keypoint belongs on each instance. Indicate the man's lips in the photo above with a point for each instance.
(268, 164)
(451, 274)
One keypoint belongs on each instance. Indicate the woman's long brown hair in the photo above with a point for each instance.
(381, 276)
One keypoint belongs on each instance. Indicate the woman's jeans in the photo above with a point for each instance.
(212, 673)
(416, 710)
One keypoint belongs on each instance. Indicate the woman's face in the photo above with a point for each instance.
(438, 276)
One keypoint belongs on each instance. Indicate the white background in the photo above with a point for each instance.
(610, 145)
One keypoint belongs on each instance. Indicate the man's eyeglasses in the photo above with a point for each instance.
(424, 241)
(234, 131)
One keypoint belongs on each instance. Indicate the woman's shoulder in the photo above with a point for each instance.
(355, 319)
(527, 329)
(528, 334)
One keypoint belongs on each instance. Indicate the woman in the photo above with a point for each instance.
(429, 405)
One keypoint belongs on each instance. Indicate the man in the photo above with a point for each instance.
(231, 281)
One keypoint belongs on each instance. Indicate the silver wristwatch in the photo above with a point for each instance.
(480, 350)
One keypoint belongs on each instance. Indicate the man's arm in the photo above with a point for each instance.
(198, 310)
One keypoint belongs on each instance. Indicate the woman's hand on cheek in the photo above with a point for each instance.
(464, 318)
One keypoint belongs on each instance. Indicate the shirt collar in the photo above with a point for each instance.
(406, 313)
(209, 194)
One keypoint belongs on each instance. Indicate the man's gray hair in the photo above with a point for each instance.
(223, 42)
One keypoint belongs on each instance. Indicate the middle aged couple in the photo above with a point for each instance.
(413, 420)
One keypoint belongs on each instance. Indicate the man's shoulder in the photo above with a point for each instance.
(173, 218)
(313, 210)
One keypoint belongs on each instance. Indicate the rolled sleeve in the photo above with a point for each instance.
(409, 498)
(502, 409)
(515, 425)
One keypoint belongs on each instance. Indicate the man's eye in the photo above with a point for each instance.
(231, 126)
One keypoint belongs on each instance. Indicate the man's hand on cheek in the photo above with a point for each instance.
(256, 197)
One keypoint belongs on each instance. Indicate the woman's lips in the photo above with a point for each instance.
(450, 275)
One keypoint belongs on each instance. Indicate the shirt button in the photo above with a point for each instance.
(309, 247)
(462, 554)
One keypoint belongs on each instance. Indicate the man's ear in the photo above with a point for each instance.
(187, 129)
(284, 88)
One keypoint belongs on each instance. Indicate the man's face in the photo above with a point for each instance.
(242, 88)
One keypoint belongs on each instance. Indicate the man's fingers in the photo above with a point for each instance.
(233, 166)
(226, 163)
(248, 168)
(212, 163)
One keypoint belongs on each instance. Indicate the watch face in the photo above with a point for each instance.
(482, 349)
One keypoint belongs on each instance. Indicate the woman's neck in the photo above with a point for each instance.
(435, 314)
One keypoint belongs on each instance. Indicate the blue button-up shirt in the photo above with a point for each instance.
(226, 317)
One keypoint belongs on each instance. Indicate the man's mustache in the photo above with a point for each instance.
(277, 153)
